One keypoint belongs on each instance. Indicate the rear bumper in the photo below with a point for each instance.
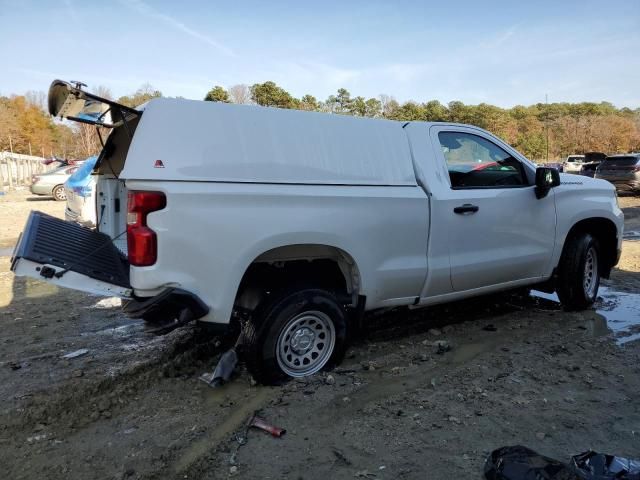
(623, 184)
(172, 299)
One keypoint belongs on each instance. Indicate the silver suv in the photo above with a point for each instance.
(621, 170)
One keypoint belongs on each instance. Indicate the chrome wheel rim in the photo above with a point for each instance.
(590, 278)
(305, 344)
(59, 194)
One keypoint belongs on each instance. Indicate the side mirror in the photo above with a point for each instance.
(546, 179)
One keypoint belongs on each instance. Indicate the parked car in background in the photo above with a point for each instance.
(591, 162)
(80, 192)
(621, 170)
(589, 169)
(557, 165)
(52, 183)
(573, 163)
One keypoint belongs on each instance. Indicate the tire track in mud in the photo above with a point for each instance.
(196, 458)
(76, 405)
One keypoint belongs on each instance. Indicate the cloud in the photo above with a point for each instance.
(144, 9)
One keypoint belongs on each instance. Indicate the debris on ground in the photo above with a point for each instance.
(600, 466)
(76, 354)
(364, 474)
(254, 422)
(521, 463)
(261, 424)
(223, 371)
(442, 346)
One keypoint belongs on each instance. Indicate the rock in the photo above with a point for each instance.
(455, 420)
(540, 436)
(330, 380)
(442, 346)
(233, 470)
(104, 404)
(346, 399)
(370, 365)
(435, 332)
(14, 366)
(106, 414)
(77, 373)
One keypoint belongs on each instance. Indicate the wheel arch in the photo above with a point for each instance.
(604, 230)
(309, 264)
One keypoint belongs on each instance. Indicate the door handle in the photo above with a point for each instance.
(466, 208)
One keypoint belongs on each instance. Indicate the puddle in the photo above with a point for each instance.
(621, 310)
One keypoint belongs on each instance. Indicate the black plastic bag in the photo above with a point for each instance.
(522, 463)
(599, 466)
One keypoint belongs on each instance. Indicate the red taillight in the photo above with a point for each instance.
(142, 243)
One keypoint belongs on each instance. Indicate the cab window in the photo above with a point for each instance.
(475, 162)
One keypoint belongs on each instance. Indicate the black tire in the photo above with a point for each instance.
(58, 193)
(262, 332)
(571, 285)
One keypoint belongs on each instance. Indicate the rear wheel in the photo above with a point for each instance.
(59, 194)
(295, 335)
(579, 272)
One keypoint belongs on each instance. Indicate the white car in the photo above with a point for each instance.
(573, 163)
(297, 223)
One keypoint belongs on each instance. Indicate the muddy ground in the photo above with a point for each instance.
(520, 371)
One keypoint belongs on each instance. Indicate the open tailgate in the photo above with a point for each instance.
(72, 256)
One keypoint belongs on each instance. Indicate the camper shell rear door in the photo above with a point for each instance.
(67, 254)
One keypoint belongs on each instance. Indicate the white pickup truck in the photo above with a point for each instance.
(298, 222)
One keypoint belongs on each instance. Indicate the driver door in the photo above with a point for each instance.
(499, 232)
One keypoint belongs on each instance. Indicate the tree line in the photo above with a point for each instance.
(563, 128)
(27, 128)
(559, 128)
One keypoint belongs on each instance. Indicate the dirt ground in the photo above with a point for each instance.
(519, 371)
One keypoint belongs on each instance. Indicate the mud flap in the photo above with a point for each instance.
(69, 255)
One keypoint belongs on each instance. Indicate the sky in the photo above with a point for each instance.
(503, 53)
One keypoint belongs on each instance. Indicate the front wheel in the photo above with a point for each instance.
(295, 335)
(579, 272)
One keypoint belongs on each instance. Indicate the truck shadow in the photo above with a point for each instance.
(404, 322)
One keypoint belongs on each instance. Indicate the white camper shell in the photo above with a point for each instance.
(296, 223)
